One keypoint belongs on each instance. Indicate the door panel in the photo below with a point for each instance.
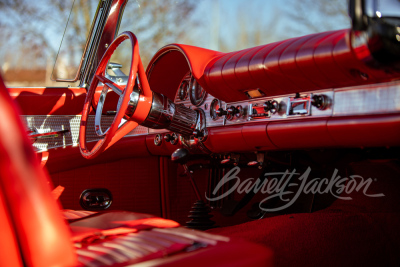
(126, 169)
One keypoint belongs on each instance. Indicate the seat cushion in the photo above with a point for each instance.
(76, 214)
(120, 238)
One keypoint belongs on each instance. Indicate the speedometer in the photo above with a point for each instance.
(197, 93)
(183, 90)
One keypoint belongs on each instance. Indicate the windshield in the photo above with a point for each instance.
(32, 30)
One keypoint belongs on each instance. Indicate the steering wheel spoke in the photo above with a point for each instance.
(113, 86)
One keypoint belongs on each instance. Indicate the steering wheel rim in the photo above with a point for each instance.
(114, 132)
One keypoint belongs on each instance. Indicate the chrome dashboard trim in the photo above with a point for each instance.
(52, 123)
(367, 99)
(372, 99)
(383, 98)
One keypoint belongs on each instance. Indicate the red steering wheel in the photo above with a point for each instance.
(141, 99)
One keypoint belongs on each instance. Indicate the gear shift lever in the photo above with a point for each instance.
(181, 156)
(200, 212)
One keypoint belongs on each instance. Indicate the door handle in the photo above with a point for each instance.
(34, 134)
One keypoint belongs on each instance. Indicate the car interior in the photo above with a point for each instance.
(284, 154)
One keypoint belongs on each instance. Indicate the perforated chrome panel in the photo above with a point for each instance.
(52, 123)
(370, 99)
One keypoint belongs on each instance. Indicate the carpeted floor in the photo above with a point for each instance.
(363, 231)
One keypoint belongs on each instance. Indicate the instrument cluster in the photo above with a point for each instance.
(193, 95)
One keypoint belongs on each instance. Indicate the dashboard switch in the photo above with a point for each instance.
(158, 140)
(167, 138)
(198, 133)
(221, 112)
(174, 138)
(240, 112)
(299, 106)
(258, 112)
(271, 106)
(321, 102)
(225, 161)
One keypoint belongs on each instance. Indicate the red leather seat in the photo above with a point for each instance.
(34, 232)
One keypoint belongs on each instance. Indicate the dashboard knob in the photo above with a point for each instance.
(320, 101)
(225, 161)
(180, 156)
(174, 138)
(158, 140)
(198, 133)
(221, 112)
(232, 110)
(167, 138)
(240, 111)
(271, 106)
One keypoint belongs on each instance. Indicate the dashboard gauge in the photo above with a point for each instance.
(197, 93)
(215, 105)
(183, 90)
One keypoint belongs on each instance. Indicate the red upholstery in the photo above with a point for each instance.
(77, 214)
(115, 238)
(36, 235)
(363, 231)
(312, 62)
(40, 231)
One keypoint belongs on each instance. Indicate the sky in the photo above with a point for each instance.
(272, 17)
(223, 25)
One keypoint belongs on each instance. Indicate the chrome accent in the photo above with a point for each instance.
(133, 100)
(281, 114)
(184, 120)
(241, 112)
(48, 135)
(196, 100)
(209, 120)
(91, 56)
(158, 140)
(174, 138)
(99, 111)
(119, 78)
(161, 112)
(115, 89)
(256, 111)
(214, 106)
(367, 99)
(183, 90)
(357, 100)
(96, 199)
(176, 118)
(304, 102)
(52, 123)
(194, 145)
(321, 101)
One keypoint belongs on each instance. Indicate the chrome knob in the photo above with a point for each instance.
(271, 106)
(232, 110)
(198, 133)
(167, 138)
(320, 101)
(158, 140)
(221, 112)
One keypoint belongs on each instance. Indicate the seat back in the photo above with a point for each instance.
(27, 208)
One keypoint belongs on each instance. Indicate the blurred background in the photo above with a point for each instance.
(31, 31)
